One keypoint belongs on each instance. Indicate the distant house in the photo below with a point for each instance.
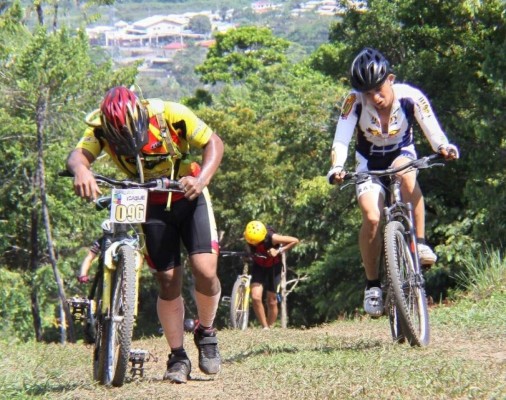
(97, 34)
(174, 46)
(154, 30)
(259, 7)
(161, 24)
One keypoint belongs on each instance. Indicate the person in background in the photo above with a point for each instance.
(266, 247)
(94, 251)
(150, 139)
(382, 113)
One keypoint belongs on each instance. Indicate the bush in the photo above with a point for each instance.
(15, 306)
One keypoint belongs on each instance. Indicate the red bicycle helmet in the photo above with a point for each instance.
(124, 121)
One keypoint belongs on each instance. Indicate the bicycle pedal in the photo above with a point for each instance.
(78, 307)
(138, 357)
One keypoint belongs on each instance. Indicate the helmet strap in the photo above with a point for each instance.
(164, 132)
(169, 197)
(140, 168)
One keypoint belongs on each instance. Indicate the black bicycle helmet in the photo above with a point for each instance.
(369, 70)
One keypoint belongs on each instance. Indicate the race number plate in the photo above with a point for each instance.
(128, 206)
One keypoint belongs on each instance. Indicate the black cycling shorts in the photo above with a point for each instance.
(269, 277)
(189, 222)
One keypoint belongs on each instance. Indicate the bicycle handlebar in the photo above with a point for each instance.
(421, 163)
(227, 253)
(158, 184)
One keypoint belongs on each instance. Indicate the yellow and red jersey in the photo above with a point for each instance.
(161, 156)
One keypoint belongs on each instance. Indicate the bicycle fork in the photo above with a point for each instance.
(398, 210)
(110, 258)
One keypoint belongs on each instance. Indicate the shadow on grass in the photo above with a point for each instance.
(38, 389)
(268, 349)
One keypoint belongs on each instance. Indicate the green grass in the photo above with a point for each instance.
(350, 359)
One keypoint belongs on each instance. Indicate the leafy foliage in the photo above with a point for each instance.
(43, 94)
(240, 52)
(200, 24)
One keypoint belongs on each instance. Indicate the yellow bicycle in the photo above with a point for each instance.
(240, 297)
(111, 307)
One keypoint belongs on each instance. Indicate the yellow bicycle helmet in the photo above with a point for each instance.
(255, 232)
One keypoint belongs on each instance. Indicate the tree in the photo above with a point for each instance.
(52, 78)
(277, 128)
(241, 52)
(200, 24)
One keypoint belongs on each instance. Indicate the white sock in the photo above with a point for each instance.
(206, 308)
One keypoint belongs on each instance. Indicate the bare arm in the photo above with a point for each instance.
(86, 264)
(78, 163)
(285, 242)
(211, 159)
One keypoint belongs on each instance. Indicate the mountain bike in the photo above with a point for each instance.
(240, 298)
(404, 285)
(113, 297)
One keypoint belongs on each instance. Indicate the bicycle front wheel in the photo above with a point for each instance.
(393, 318)
(390, 308)
(407, 286)
(119, 327)
(239, 304)
(100, 348)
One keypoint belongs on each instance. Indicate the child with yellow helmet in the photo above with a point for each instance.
(266, 247)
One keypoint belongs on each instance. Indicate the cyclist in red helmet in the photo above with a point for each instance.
(382, 114)
(149, 139)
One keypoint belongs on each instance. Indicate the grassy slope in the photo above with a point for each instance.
(346, 359)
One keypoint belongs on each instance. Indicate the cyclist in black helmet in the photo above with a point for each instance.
(383, 112)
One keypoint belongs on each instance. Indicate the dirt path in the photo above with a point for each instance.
(342, 350)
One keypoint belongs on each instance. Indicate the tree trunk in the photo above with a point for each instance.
(40, 13)
(34, 264)
(55, 19)
(65, 314)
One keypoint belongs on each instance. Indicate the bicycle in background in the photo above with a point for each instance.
(240, 297)
(111, 307)
(404, 285)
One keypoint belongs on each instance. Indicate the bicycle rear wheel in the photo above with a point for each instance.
(119, 326)
(239, 304)
(407, 286)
